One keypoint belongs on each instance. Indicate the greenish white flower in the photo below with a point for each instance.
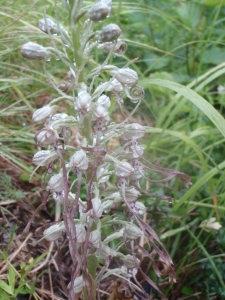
(98, 12)
(44, 157)
(210, 225)
(106, 252)
(54, 232)
(33, 51)
(109, 33)
(79, 161)
(130, 262)
(132, 232)
(41, 114)
(78, 284)
(123, 169)
(56, 183)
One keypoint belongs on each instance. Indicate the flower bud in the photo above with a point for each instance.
(133, 131)
(106, 252)
(98, 12)
(46, 136)
(100, 112)
(108, 3)
(116, 197)
(33, 51)
(131, 232)
(136, 175)
(115, 86)
(83, 102)
(78, 285)
(56, 183)
(104, 101)
(210, 225)
(100, 174)
(80, 233)
(41, 114)
(79, 161)
(117, 49)
(135, 152)
(61, 197)
(54, 232)
(123, 169)
(130, 262)
(58, 117)
(44, 157)
(109, 33)
(131, 194)
(126, 76)
(95, 238)
(139, 208)
(47, 25)
(97, 207)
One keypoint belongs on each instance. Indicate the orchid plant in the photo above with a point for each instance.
(76, 146)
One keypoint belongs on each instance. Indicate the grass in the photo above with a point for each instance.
(180, 47)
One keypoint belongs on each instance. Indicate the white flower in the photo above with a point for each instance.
(133, 131)
(54, 232)
(100, 175)
(97, 209)
(42, 114)
(46, 136)
(109, 33)
(100, 113)
(79, 161)
(103, 100)
(83, 102)
(132, 232)
(95, 238)
(98, 12)
(210, 225)
(47, 25)
(131, 194)
(56, 183)
(106, 252)
(139, 208)
(33, 51)
(118, 48)
(44, 157)
(126, 76)
(130, 262)
(78, 284)
(123, 169)
(115, 86)
(134, 152)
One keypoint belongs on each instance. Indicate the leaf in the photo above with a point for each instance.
(4, 296)
(214, 2)
(196, 99)
(198, 184)
(190, 13)
(215, 56)
(6, 287)
(11, 278)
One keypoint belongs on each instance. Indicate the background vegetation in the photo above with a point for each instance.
(177, 40)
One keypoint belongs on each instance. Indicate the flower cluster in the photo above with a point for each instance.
(76, 145)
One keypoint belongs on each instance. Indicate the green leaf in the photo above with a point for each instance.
(6, 287)
(214, 2)
(11, 278)
(198, 184)
(190, 13)
(215, 56)
(187, 291)
(3, 295)
(196, 99)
